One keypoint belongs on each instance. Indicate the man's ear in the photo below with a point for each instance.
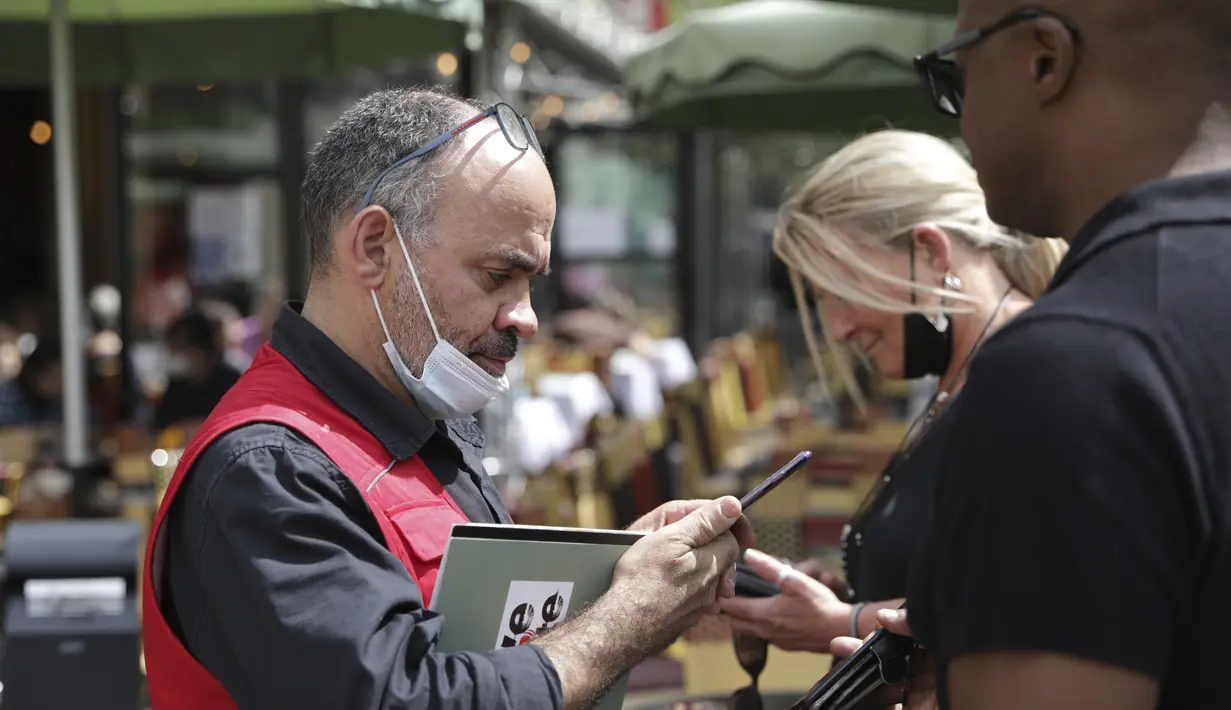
(933, 248)
(1053, 58)
(367, 246)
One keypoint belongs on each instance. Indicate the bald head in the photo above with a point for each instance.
(497, 199)
(1070, 106)
(486, 165)
(1149, 41)
(1138, 39)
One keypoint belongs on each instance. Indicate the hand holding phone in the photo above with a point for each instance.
(747, 582)
(751, 584)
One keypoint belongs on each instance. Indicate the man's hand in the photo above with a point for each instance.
(919, 691)
(661, 586)
(696, 538)
(806, 616)
(675, 511)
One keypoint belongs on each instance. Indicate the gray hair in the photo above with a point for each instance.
(364, 141)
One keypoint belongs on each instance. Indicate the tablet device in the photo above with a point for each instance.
(500, 586)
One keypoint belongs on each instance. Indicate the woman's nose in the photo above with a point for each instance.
(838, 320)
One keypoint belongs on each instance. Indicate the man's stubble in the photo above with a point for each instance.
(412, 331)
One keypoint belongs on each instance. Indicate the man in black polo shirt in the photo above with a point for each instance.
(1081, 557)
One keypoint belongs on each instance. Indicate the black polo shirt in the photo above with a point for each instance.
(265, 525)
(1084, 503)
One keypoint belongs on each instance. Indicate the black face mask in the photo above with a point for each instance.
(927, 347)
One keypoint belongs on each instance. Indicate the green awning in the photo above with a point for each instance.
(936, 7)
(789, 65)
(197, 41)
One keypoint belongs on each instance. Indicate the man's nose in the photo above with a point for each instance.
(520, 318)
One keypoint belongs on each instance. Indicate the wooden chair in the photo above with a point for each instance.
(20, 444)
(593, 506)
(622, 454)
(12, 475)
(562, 358)
(754, 386)
(689, 409)
(769, 355)
(535, 362)
(549, 498)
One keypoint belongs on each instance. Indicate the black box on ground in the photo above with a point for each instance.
(72, 634)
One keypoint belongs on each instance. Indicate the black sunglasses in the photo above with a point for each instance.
(942, 77)
(515, 127)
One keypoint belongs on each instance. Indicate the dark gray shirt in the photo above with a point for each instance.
(278, 580)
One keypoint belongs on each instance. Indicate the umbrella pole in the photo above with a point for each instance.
(68, 236)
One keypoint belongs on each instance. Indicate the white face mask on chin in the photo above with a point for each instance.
(452, 385)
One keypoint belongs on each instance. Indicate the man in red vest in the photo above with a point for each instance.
(296, 549)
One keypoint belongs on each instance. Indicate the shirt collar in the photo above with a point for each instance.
(399, 427)
(1190, 199)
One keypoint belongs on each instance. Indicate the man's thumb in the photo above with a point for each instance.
(703, 525)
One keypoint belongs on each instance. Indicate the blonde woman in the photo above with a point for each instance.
(891, 238)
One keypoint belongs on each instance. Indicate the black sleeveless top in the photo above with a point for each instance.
(880, 542)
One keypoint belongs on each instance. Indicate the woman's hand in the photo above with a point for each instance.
(806, 616)
(919, 691)
(816, 570)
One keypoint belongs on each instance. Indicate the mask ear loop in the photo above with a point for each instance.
(383, 326)
(418, 286)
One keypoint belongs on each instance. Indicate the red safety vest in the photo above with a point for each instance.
(415, 513)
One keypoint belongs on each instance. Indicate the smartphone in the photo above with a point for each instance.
(775, 480)
(751, 584)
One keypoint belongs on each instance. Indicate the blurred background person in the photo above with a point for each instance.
(892, 239)
(198, 375)
(34, 396)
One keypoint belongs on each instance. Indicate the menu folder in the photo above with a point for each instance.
(882, 661)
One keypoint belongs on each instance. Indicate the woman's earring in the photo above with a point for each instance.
(940, 321)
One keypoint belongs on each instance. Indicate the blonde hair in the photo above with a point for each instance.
(873, 193)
